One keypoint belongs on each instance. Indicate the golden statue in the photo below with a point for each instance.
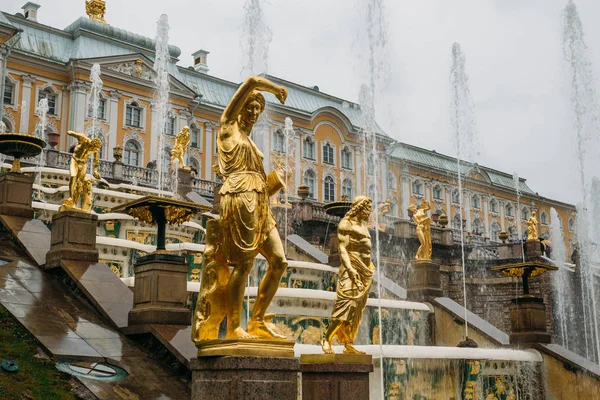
(354, 277)
(423, 222)
(182, 142)
(382, 210)
(532, 227)
(95, 10)
(246, 225)
(80, 185)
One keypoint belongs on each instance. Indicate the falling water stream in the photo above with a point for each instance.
(42, 110)
(561, 281)
(519, 213)
(161, 80)
(94, 100)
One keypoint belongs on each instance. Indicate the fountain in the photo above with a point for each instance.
(161, 80)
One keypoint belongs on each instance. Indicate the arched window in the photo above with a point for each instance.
(509, 210)
(455, 196)
(346, 158)
(51, 97)
(131, 153)
(9, 92)
(278, 141)
(195, 166)
(309, 180)
(438, 192)
(456, 222)
(544, 218)
(347, 189)
(170, 130)
(525, 214)
(495, 232)
(417, 188)
(391, 180)
(133, 114)
(195, 136)
(478, 228)
(475, 201)
(329, 189)
(493, 206)
(308, 148)
(370, 166)
(571, 225)
(328, 154)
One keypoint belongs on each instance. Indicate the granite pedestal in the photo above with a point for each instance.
(528, 321)
(73, 238)
(533, 248)
(160, 291)
(184, 177)
(245, 378)
(424, 282)
(16, 192)
(335, 376)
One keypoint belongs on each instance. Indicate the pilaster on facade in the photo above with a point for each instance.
(28, 82)
(78, 89)
(208, 127)
(297, 154)
(113, 117)
(405, 194)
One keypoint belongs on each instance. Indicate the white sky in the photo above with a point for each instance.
(514, 61)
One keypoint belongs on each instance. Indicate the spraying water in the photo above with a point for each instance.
(22, 122)
(255, 39)
(94, 100)
(288, 135)
(519, 212)
(161, 81)
(586, 115)
(462, 121)
(561, 280)
(42, 110)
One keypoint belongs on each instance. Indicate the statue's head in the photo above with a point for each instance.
(533, 214)
(96, 143)
(253, 107)
(425, 205)
(361, 208)
(412, 208)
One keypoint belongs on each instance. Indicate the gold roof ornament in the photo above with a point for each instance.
(95, 10)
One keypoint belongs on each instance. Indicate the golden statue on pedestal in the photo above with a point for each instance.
(423, 222)
(182, 142)
(246, 226)
(80, 185)
(354, 277)
(532, 227)
(95, 10)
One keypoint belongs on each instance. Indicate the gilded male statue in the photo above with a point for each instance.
(423, 222)
(80, 186)
(246, 225)
(532, 227)
(354, 277)
(182, 142)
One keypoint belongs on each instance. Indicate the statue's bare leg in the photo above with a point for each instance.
(272, 249)
(236, 287)
(334, 325)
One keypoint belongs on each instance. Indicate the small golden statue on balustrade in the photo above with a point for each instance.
(182, 143)
(246, 225)
(423, 222)
(354, 277)
(80, 185)
(532, 227)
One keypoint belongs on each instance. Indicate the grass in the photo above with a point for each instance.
(37, 378)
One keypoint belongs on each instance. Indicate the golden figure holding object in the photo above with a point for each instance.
(354, 277)
(95, 10)
(532, 227)
(182, 142)
(423, 222)
(245, 228)
(80, 185)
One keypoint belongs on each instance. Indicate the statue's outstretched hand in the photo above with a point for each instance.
(96, 175)
(282, 94)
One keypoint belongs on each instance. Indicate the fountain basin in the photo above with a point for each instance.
(337, 208)
(19, 145)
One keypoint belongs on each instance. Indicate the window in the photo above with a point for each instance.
(571, 225)
(347, 189)
(456, 222)
(166, 160)
(495, 232)
(195, 166)
(475, 201)
(544, 218)
(133, 115)
(329, 193)
(278, 141)
(346, 158)
(328, 153)
(170, 126)
(51, 97)
(455, 196)
(438, 193)
(509, 210)
(131, 153)
(370, 166)
(101, 109)
(512, 233)
(417, 188)
(8, 92)
(194, 136)
(308, 148)
(391, 180)
(478, 228)
(525, 214)
(493, 206)
(309, 180)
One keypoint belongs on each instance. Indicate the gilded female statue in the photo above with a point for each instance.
(532, 227)
(423, 222)
(246, 226)
(182, 142)
(354, 277)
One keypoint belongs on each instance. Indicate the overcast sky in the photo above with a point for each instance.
(514, 61)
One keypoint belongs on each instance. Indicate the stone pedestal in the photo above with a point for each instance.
(424, 282)
(533, 248)
(52, 157)
(245, 378)
(73, 238)
(16, 191)
(528, 321)
(160, 291)
(184, 176)
(402, 228)
(334, 250)
(335, 376)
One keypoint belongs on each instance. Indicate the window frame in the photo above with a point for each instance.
(437, 188)
(278, 141)
(420, 184)
(328, 153)
(312, 185)
(309, 141)
(128, 152)
(48, 93)
(347, 185)
(129, 119)
(7, 84)
(346, 154)
(328, 189)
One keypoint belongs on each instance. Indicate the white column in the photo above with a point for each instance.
(502, 215)
(486, 216)
(79, 102)
(384, 181)
(113, 121)
(208, 150)
(28, 81)
(467, 200)
(298, 158)
(358, 168)
(405, 195)
(64, 126)
(427, 191)
(448, 196)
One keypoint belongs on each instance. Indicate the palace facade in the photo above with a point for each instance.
(326, 149)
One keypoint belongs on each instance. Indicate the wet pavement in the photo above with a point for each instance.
(32, 234)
